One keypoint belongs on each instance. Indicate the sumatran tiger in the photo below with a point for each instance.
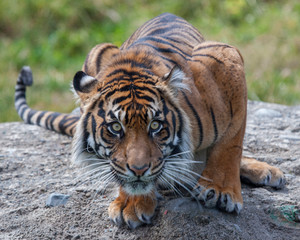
(154, 108)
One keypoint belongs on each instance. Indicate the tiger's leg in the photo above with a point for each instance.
(261, 173)
(221, 184)
(134, 210)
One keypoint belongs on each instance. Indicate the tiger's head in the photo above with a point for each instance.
(132, 129)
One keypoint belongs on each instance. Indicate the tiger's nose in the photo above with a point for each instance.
(138, 170)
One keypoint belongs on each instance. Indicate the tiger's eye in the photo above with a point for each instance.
(155, 125)
(116, 127)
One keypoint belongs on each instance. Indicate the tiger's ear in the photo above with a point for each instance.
(84, 85)
(99, 57)
(174, 80)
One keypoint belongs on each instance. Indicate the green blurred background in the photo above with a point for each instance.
(53, 38)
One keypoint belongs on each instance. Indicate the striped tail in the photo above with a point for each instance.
(58, 122)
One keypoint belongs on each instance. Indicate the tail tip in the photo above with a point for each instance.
(25, 76)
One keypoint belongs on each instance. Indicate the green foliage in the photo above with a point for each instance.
(53, 37)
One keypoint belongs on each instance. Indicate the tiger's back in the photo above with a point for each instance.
(167, 36)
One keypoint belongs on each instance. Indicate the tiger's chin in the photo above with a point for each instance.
(138, 188)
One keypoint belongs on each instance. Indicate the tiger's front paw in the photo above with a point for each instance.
(133, 210)
(261, 173)
(211, 195)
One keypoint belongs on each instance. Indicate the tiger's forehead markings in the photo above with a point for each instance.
(134, 113)
(118, 113)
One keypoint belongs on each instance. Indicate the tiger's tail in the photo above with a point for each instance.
(58, 122)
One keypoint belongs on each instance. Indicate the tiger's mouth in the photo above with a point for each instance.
(134, 180)
(138, 187)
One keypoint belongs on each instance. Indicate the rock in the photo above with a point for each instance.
(269, 113)
(56, 199)
(35, 163)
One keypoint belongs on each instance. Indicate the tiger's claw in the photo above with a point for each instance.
(133, 210)
(225, 199)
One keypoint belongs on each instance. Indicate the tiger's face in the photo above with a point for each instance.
(131, 128)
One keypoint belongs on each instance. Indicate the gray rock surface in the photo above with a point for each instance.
(34, 163)
(56, 199)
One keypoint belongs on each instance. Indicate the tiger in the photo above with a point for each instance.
(166, 109)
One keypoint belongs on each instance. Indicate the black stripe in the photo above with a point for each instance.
(157, 40)
(231, 111)
(64, 123)
(157, 166)
(145, 90)
(52, 118)
(145, 97)
(118, 166)
(86, 133)
(145, 63)
(104, 139)
(176, 150)
(99, 57)
(101, 112)
(132, 84)
(72, 130)
(38, 120)
(23, 111)
(72, 121)
(161, 56)
(168, 134)
(174, 123)
(21, 104)
(121, 80)
(108, 95)
(19, 96)
(163, 50)
(166, 111)
(94, 129)
(186, 34)
(177, 41)
(30, 115)
(180, 122)
(165, 107)
(61, 126)
(211, 46)
(161, 31)
(199, 123)
(129, 73)
(178, 24)
(145, 82)
(127, 87)
(20, 88)
(214, 123)
(70, 124)
(208, 55)
(121, 99)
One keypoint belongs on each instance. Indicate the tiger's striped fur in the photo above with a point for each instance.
(150, 110)
(62, 123)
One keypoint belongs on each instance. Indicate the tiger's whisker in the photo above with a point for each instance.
(183, 162)
(89, 173)
(173, 178)
(181, 153)
(190, 181)
(170, 186)
(180, 170)
(106, 181)
(181, 159)
(91, 166)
